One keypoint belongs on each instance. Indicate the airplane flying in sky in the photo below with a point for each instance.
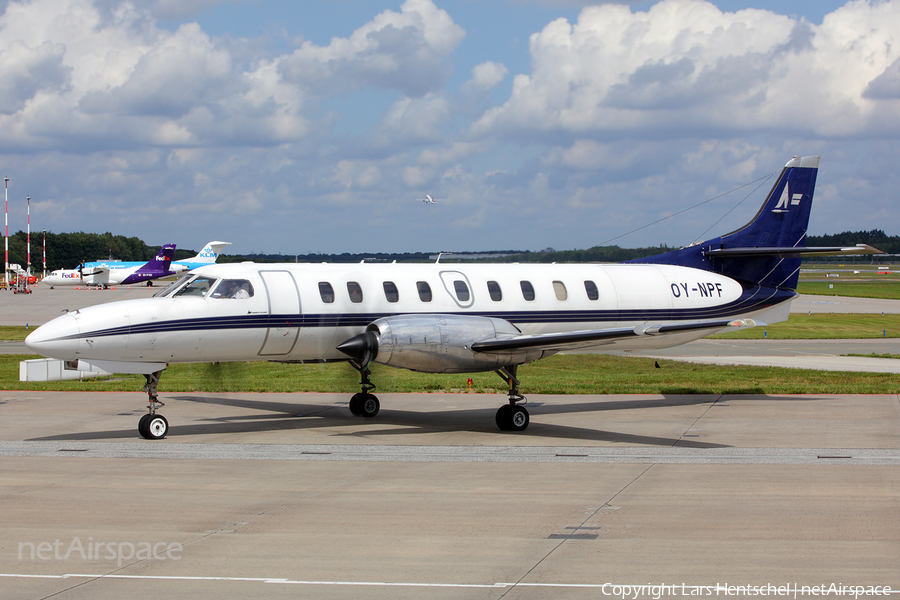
(157, 267)
(450, 318)
(428, 199)
(108, 272)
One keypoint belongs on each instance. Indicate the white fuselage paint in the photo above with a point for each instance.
(203, 329)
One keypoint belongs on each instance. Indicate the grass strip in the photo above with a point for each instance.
(823, 326)
(888, 289)
(568, 374)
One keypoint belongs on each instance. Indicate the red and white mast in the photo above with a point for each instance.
(28, 238)
(6, 233)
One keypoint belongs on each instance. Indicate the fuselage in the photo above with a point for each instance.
(301, 312)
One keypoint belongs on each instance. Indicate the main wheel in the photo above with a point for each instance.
(370, 406)
(503, 418)
(155, 427)
(356, 403)
(519, 419)
(512, 418)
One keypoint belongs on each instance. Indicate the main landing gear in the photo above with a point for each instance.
(512, 417)
(153, 426)
(364, 404)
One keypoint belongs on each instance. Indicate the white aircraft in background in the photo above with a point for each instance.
(428, 199)
(441, 318)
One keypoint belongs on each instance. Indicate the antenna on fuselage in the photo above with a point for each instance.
(438, 258)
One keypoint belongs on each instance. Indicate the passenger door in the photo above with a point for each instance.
(284, 313)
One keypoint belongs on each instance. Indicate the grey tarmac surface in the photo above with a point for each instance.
(288, 495)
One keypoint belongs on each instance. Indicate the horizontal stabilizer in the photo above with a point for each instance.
(573, 340)
(800, 251)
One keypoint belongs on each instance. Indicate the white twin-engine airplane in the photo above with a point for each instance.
(440, 318)
(428, 199)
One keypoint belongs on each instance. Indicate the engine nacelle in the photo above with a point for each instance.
(438, 343)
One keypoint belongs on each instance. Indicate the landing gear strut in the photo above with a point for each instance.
(153, 426)
(512, 417)
(364, 404)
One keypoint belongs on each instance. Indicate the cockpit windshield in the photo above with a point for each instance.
(198, 287)
(167, 291)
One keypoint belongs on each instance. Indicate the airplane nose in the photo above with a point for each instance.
(56, 339)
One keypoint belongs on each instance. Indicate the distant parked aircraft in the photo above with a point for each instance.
(115, 271)
(156, 268)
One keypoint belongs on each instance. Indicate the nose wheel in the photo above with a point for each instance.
(153, 426)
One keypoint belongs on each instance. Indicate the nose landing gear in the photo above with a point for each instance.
(153, 426)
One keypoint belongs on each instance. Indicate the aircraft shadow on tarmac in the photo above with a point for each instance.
(298, 416)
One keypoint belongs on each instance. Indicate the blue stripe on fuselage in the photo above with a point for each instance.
(753, 298)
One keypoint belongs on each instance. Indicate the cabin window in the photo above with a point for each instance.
(527, 290)
(326, 292)
(236, 289)
(424, 291)
(494, 291)
(462, 290)
(559, 288)
(356, 295)
(390, 291)
(198, 287)
(591, 288)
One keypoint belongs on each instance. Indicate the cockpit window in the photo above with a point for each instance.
(237, 289)
(166, 291)
(198, 287)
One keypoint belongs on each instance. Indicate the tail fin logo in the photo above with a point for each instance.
(782, 205)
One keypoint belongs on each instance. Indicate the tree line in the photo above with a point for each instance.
(68, 250)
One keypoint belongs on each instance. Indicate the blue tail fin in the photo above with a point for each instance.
(765, 251)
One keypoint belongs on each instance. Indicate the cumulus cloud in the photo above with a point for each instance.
(26, 71)
(180, 72)
(685, 65)
(620, 115)
(887, 85)
(76, 74)
(405, 51)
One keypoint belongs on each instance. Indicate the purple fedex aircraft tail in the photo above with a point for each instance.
(156, 268)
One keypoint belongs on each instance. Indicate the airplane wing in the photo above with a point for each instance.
(575, 340)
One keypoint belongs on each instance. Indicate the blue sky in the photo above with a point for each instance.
(298, 127)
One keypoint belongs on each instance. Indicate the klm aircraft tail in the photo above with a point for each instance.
(767, 250)
(209, 254)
